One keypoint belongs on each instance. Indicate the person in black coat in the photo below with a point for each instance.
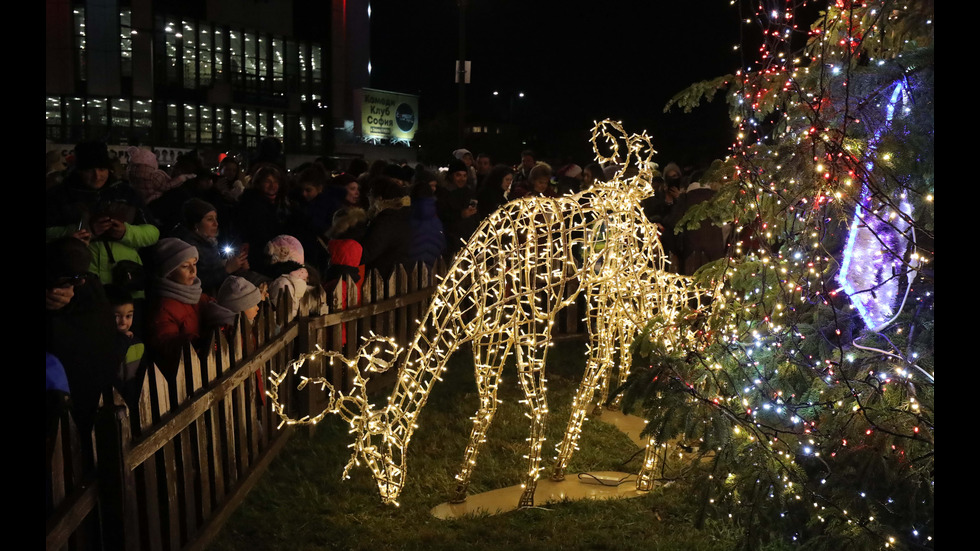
(457, 208)
(428, 238)
(493, 192)
(80, 329)
(263, 213)
(389, 229)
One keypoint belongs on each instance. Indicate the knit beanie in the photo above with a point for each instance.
(572, 170)
(460, 153)
(456, 166)
(140, 156)
(284, 248)
(170, 253)
(193, 210)
(237, 294)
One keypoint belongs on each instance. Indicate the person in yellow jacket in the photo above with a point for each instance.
(104, 213)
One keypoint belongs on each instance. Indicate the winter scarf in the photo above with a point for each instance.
(187, 294)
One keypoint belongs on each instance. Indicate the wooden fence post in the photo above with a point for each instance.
(117, 484)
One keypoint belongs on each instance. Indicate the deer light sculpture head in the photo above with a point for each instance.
(379, 439)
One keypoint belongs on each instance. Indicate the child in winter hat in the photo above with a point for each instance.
(286, 259)
(239, 295)
(144, 174)
(170, 253)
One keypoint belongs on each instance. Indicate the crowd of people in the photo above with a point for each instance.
(142, 262)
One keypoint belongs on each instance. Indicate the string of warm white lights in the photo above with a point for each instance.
(502, 294)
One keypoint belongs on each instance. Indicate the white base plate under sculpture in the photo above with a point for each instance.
(630, 425)
(503, 500)
(572, 488)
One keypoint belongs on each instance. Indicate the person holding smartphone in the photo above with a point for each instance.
(216, 261)
(107, 215)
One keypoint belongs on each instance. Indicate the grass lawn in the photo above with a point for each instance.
(301, 504)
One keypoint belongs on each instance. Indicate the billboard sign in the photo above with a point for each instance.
(388, 115)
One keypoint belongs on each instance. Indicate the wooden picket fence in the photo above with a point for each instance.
(169, 474)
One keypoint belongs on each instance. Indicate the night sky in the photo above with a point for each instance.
(575, 62)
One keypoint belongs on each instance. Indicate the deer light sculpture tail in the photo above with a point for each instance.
(502, 294)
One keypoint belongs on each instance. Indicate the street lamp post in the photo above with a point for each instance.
(461, 72)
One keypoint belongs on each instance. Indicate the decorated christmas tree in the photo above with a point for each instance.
(810, 397)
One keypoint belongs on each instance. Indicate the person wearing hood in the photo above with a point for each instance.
(345, 236)
(389, 229)
(467, 158)
(428, 238)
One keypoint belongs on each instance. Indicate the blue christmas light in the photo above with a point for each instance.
(876, 243)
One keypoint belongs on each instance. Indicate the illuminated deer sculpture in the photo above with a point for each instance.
(502, 294)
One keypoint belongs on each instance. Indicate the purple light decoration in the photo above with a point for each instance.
(876, 243)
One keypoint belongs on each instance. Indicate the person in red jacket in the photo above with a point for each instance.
(179, 303)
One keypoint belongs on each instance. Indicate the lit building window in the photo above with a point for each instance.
(52, 119)
(206, 125)
(278, 126)
(173, 123)
(96, 117)
(263, 58)
(237, 129)
(78, 15)
(120, 119)
(190, 124)
(219, 52)
(219, 125)
(251, 68)
(315, 134)
(189, 31)
(315, 66)
(170, 44)
(303, 65)
(206, 56)
(126, 42)
(251, 128)
(75, 113)
(278, 60)
(143, 113)
(52, 111)
(237, 54)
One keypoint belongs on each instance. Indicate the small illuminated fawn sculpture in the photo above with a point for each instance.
(502, 294)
